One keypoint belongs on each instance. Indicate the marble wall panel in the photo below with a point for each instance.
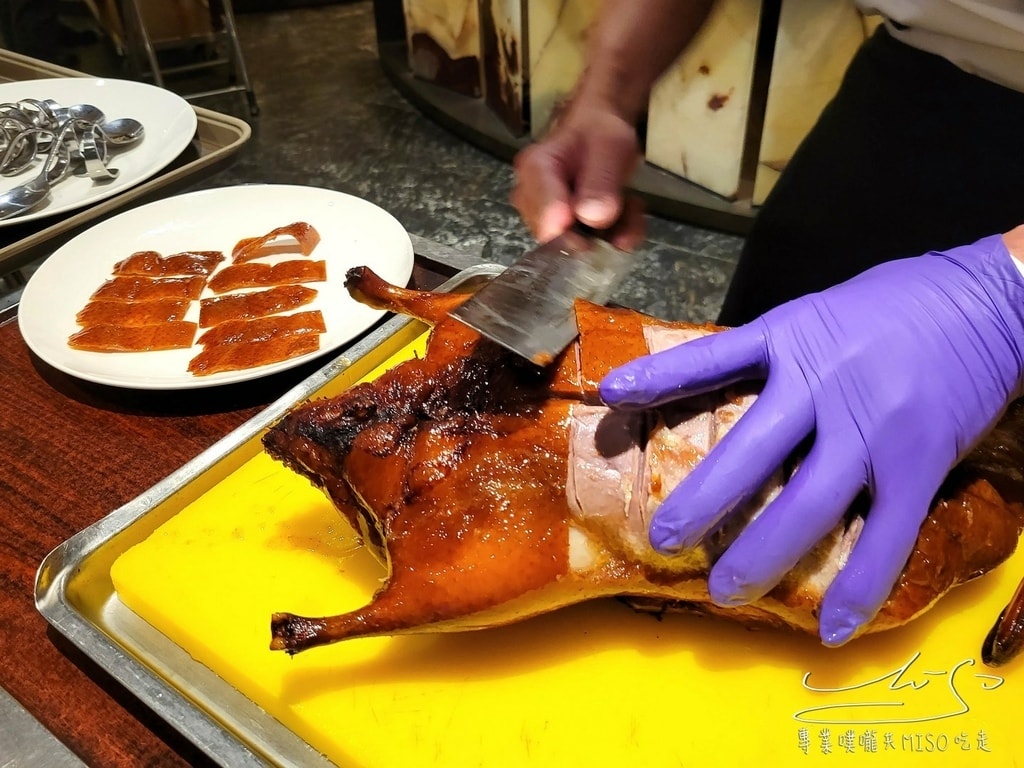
(444, 43)
(557, 35)
(697, 121)
(872, 21)
(502, 28)
(814, 44)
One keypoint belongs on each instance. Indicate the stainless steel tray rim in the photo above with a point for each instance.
(57, 568)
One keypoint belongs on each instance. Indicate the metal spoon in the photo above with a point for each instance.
(27, 196)
(87, 112)
(15, 113)
(122, 130)
(41, 111)
(21, 150)
(93, 146)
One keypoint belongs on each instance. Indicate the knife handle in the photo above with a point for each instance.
(588, 231)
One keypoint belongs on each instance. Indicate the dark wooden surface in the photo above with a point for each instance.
(71, 453)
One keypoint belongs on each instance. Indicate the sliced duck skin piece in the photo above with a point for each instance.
(246, 306)
(252, 354)
(142, 338)
(143, 288)
(262, 329)
(153, 264)
(299, 236)
(258, 274)
(130, 313)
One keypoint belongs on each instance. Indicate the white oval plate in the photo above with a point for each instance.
(169, 121)
(353, 232)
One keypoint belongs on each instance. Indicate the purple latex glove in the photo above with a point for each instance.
(897, 373)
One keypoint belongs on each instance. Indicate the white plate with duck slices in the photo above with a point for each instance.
(169, 124)
(347, 232)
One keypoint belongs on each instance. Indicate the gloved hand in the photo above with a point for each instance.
(897, 373)
(578, 172)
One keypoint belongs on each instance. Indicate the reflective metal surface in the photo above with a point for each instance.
(24, 741)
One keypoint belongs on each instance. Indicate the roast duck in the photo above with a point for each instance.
(494, 490)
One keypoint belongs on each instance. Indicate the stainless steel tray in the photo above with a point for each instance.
(218, 137)
(593, 684)
(75, 594)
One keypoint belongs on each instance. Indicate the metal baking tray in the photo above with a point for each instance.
(218, 137)
(593, 684)
(75, 594)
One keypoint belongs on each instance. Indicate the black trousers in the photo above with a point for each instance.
(912, 155)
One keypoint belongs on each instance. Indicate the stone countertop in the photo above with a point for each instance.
(330, 117)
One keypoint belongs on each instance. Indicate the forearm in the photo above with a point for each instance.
(631, 44)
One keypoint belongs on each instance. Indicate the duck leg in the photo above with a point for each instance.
(367, 287)
(472, 521)
(1006, 638)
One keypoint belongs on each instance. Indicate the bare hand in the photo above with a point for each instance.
(578, 172)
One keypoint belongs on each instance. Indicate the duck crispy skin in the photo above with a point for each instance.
(154, 264)
(247, 306)
(263, 328)
(495, 490)
(132, 313)
(299, 236)
(250, 354)
(258, 274)
(176, 334)
(144, 288)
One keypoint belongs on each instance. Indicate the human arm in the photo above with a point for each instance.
(892, 376)
(578, 170)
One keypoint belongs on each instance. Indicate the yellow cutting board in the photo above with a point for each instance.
(591, 685)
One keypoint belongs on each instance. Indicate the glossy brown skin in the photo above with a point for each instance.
(133, 313)
(144, 288)
(1005, 640)
(237, 357)
(259, 274)
(176, 334)
(244, 306)
(264, 328)
(299, 236)
(462, 458)
(154, 264)
(494, 454)
(140, 309)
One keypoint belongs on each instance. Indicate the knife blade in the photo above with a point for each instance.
(528, 308)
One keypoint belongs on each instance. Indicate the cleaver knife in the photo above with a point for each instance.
(528, 308)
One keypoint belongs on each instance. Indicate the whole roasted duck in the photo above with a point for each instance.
(495, 490)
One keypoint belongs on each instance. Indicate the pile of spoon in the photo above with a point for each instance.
(64, 140)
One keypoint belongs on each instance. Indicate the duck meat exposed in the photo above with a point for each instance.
(495, 490)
